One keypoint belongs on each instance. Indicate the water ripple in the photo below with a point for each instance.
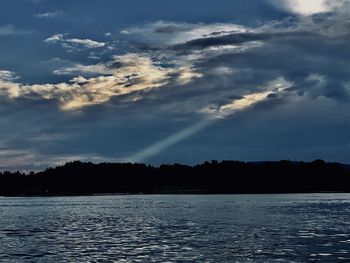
(247, 228)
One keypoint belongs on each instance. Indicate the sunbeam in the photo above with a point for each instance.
(274, 87)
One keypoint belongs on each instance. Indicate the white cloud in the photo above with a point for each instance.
(79, 69)
(74, 43)
(275, 86)
(54, 14)
(88, 43)
(134, 73)
(54, 38)
(308, 7)
(7, 75)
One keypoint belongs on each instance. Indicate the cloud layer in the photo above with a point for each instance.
(130, 74)
(175, 86)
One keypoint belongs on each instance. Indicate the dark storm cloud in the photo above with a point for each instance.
(296, 57)
(233, 39)
(299, 54)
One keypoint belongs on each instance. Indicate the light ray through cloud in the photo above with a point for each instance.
(277, 86)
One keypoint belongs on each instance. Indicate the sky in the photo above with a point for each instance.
(165, 81)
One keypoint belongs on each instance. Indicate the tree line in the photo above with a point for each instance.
(226, 177)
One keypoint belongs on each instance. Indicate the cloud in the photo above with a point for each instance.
(74, 44)
(10, 29)
(15, 159)
(54, 38)
(171, 33)
(306, 8)
(293, 50)
(55, 14)
(88, 43)
(128, 74)
(304, 56)
(6, 75)
(30, 159)
(230, 41)
(85, 70)
(7, 30)
(274, 87)
(219, 53)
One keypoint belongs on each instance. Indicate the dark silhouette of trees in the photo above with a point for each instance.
(226, 177)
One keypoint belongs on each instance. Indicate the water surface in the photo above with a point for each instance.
(182, 228)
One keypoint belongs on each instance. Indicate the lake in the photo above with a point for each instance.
(176, 228)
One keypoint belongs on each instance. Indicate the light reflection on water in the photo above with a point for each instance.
(243, 228)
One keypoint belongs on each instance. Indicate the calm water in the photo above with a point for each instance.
(245, 228)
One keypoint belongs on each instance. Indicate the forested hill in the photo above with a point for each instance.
(227, 177)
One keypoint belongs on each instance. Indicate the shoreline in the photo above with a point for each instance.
(171, 194)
